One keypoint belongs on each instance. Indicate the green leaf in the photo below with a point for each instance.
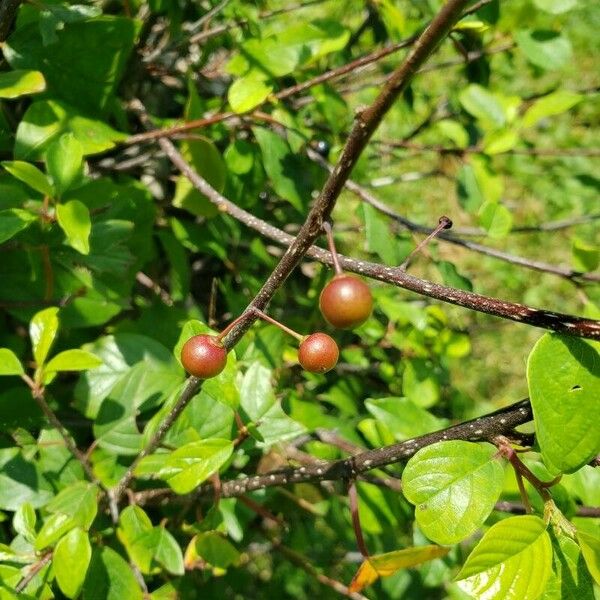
(259, 402)
(553, 104)
(483, 105)
(74, 219)
(496, 219)
(54, 527)
(452, 277)
(64, 161)
(454, 131)
(149, 547)
(24, 521)
(590, 548)
(563, 373)
(192, 464)
(156, 374)
(499, 141)
(74, 506)
(21, 481)
(179, 272)
(403, 417)
(71, 560)
(586, 257)
(239, 157)
(379, 236)
(44, 122)
(555, 7)
(79, 500)
(167, 551)
(73, 360)
(29, 174)
(42, 331)
(420, 382)
(75, 56)
(478, 183)
(570, 579)
(285, 169)
(133, 531)
(248, 91)
(109, 577)
(454, 486)
(513, 561)
(12, 221)
(115, 427)
(20, 83)
(9, 363)
(216, 550)
(207, 161)
(545, 49)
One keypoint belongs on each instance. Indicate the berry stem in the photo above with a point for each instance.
(281, 326)
(245, 315)
(444, 223)
(334, 255)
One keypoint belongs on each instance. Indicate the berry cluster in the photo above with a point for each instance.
(345, 302)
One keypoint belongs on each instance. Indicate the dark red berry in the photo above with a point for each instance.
(346, 301)
(203, 356)
(318, 353)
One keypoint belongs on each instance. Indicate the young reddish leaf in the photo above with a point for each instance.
(384, 565)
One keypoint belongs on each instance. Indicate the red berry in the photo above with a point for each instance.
(346, 301)
(203, 356)
(318, 353)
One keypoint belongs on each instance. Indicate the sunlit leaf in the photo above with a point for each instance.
(513, 561)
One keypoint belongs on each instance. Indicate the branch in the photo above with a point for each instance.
(365, 125)
(191, 389)
(33, 571)
(561, 322)
(462, 60)
(486, 428)
(357, 466)
(550, 152)
(366, 196)
(517, 508)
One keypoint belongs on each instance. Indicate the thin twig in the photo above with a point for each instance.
(561, 322)
(293, 90)
(303, 563)
(439, 149)
(37, 394)
(33, 571)
(219, 29)
(516, 508)
(369, 198)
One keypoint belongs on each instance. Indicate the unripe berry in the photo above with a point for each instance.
(346, 301)
(318, 353)
(203, 356)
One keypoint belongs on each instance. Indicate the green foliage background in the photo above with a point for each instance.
(109, 260)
